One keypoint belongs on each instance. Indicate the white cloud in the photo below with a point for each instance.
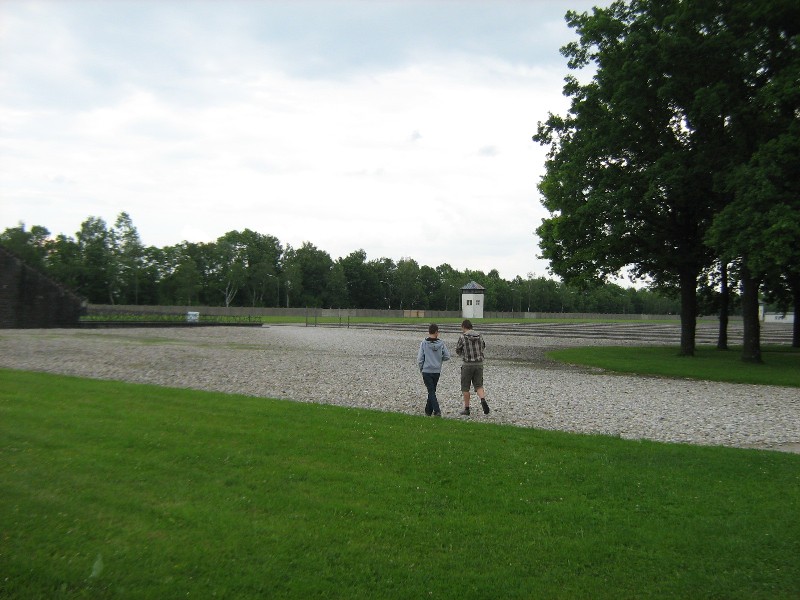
(431, 159)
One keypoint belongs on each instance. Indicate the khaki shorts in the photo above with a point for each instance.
(471, 373)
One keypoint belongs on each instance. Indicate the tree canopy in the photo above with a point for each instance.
(246, 268)
(663, 160)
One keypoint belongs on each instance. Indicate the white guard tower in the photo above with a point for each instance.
(472, 297)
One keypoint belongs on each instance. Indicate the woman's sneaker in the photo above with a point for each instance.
(484, 406)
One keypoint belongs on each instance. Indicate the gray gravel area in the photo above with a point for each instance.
(376, 369)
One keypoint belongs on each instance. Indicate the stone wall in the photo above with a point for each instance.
(29, 299)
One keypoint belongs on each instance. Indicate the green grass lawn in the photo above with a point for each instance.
(781, 364)
(112, 490)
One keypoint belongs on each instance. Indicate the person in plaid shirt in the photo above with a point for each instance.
(470, 347)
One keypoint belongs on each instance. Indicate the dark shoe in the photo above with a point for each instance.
(437, 414)
(485, 407)
(465, 411)
(428, 412)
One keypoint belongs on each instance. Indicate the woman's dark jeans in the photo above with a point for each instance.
(431, 380)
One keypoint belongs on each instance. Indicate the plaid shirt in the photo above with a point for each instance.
(470, 347)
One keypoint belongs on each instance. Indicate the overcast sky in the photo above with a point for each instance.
(403, 128)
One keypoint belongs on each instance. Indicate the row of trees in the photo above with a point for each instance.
(680, 157)
(110, 265)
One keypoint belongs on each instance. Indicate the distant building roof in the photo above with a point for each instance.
(473, 286)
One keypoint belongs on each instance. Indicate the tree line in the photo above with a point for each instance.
(680, 157)
(110, 265)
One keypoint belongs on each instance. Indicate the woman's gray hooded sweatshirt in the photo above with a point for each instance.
(432, 352)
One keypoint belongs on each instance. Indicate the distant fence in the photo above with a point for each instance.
(100, 310)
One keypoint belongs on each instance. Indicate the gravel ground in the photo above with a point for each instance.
(377, 370)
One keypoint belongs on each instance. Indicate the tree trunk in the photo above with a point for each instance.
(751, 344)
(796, 328)
(724, 308)
(688, 283)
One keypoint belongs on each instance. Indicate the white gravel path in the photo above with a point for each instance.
(377, 370)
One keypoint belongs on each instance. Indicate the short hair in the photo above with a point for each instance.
(466, 324)
(433, 328)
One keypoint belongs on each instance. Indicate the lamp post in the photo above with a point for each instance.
(389, 293)
(530, 283)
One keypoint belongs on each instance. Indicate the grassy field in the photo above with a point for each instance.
(781, 363)
(112, 490)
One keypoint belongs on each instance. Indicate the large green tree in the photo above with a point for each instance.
(431, 284)
(130, 254)
(409, 285)
(308, 271)
(759, 229)
(633, 171)
(198, 274)
(97, 277)
(30, 246)
(182, 274)
(336, 290)
(385, 270)
(259, 263)
(64, 261)
(363, 282)
(449, 297)
(623, 184)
